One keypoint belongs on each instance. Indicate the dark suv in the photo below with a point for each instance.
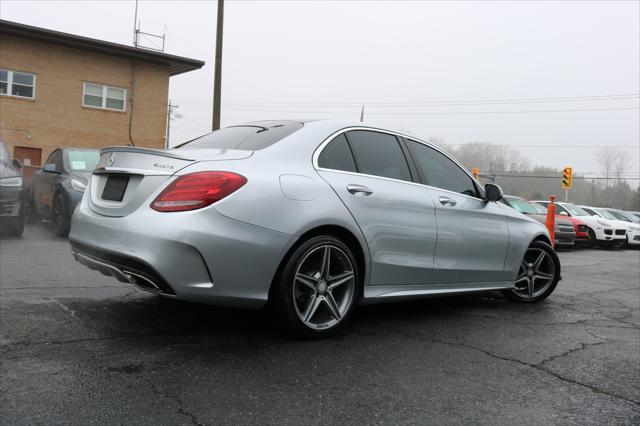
(57, 188)
(11, 195)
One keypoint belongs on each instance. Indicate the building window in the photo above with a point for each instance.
(19, 84)
(106, 97)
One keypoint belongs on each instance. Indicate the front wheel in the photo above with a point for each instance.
(61, 216)
(538, 275)
(13, 227)
(317, 289)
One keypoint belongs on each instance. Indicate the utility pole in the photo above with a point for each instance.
(135, 26)
(170, 109)
(217, 78)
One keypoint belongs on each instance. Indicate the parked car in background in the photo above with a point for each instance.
(579, 227)
(313, 217)
(601, 231)
(12, 197)
(634, 217)
(631, 230)
(635, 214)
(564, 233)
(58, 186)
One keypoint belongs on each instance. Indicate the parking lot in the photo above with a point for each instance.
(79, 348)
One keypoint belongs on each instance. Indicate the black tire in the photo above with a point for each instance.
(592, 239)
(283, 292)
(60, 216)
(12, 227)
(30, 214)
(517, 297)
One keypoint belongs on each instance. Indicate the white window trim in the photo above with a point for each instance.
(10, 85)
(104, 97)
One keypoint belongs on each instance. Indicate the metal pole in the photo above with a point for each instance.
(166, 141)
(217, 79)
(135, 28)
(566, 195)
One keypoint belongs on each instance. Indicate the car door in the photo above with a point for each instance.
(473, 236)
(369, 172)
(45, 181)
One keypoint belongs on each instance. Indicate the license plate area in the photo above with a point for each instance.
(115, 187)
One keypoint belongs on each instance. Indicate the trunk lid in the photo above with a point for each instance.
(126, 177)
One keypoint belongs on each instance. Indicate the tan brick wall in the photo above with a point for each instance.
(56, 118)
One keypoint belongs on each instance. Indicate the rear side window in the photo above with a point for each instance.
(337, 156)
(439, 171)
(249, 137)
(378, 154)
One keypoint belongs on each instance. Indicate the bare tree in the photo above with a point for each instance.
(621, 165)
(608, 158)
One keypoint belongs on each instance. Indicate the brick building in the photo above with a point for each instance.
(63, 90)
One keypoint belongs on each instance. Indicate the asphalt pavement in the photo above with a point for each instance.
(80, 348)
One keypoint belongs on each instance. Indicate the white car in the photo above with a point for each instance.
(619, 220)
(601, 231)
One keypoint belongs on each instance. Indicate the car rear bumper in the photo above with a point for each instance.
(200, 256)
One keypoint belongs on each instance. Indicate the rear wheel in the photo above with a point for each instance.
(317, 289)
(538, 275)
(60, 216)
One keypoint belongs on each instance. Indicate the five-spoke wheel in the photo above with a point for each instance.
(538, 274)
(318, 286)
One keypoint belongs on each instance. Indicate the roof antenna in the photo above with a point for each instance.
(362, 114)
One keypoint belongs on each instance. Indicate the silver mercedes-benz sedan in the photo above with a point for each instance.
(311, 217)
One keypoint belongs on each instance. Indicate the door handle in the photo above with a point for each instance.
(446, 201)
(359, 189)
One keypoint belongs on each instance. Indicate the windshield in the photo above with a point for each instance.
(605, 214)
(620, 216)
(83, 160)
(575, 210)
(249, 137)
(539, 207)
(522, 206)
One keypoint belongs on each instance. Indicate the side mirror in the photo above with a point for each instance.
(493, 192)
(50, 168)
(16, 163)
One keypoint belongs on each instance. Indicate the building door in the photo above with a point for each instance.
(31, 158)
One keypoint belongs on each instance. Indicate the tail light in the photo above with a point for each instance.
(197, 190)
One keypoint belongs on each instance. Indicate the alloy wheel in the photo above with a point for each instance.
(536, 274)
(323, 287)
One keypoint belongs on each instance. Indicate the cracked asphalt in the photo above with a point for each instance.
(80, 348)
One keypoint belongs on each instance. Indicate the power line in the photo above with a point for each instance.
(591, 98)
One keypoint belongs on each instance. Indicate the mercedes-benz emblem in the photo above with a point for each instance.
(112, 158)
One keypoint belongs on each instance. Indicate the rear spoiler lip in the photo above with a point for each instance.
(158, 152)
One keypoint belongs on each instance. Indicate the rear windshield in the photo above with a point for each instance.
(249, 137)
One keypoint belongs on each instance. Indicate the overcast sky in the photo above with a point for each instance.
(407, 62)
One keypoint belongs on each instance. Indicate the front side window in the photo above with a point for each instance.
(337, 156)
(56, 159)
(378, 154)
(439, 171)
(18, 84)
(106, 97)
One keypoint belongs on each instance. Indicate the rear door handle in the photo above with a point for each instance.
(359, 189)
(446, 201)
